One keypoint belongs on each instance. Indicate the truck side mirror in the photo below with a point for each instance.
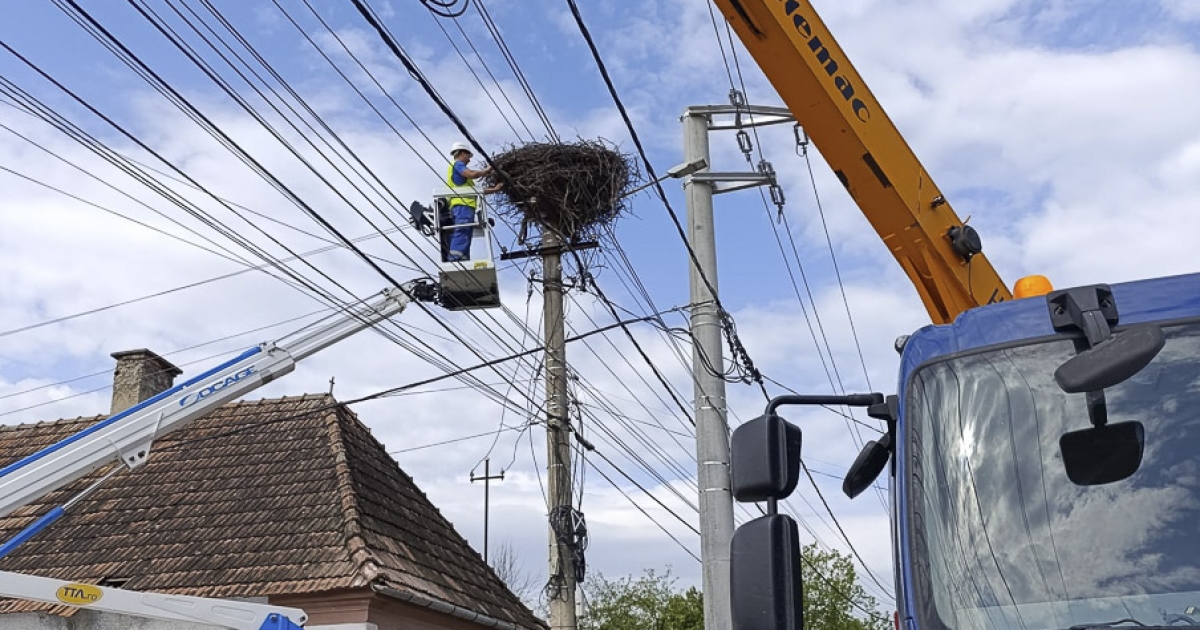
(765, 459)
(766, 587)
(765, 582)
(867, 466)
(764, 562)
(875, 454)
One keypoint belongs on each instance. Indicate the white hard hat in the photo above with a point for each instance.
(459, 146)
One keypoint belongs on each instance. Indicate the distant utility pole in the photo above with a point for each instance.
(708, 365)
(487, 484)
(558, 440)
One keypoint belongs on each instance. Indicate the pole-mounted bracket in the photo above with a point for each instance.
(557, 249)
(740, 116)
(729, 182)
(1090, 309)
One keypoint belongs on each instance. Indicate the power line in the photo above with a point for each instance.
(416, 74)
(100, 149)
(466, 64)
(845, 537)
(665, 384)
(406, 61)
(138, 64)
(452, 440)
(445, 9)
(428, 357)
(190, 285)
(512, 64)
(752, 374)
(499, 86)
(366, 70)
(643, 510)
(837, 270)
(412, 348)
(856, 435)
(233, 145)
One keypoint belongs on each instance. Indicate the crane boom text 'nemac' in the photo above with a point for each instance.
(840, 83)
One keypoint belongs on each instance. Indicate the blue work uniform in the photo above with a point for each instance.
(462, 211)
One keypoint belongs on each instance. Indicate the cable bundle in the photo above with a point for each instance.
(569, 188)
(447, 8)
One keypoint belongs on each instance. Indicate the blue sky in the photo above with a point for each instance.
(1067, 131)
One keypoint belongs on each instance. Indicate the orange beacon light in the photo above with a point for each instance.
(1032, 286)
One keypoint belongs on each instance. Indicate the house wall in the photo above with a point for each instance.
(349, 606)
(390, 614)
(377, 611)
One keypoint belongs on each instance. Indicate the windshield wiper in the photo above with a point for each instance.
(1106, 624)
(1139, 625)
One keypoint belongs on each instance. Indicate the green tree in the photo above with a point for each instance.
(646, 602)
(685, 611)
(833, 598)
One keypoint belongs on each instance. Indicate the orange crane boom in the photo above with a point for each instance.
(818, 84)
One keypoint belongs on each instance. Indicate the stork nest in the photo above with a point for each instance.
(569, 189)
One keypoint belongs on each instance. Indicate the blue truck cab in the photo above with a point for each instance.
(990, 529)
(1043, 476)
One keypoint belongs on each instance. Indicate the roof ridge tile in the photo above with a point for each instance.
(46, 423)
(356, 546)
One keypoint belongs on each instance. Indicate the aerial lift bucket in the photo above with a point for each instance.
(471, 283)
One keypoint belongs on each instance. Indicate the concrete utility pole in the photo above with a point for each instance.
(712, 440)
(712, 429)
(558, 438)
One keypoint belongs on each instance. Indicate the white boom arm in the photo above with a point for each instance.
(126, 437)
(219, 612)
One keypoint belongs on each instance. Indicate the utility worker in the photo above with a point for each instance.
(461, 180)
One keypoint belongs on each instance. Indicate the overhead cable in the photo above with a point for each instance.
(752, 374)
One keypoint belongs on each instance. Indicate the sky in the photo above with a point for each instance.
(1067, 131)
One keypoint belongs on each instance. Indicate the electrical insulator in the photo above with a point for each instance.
(736, 98)
(743, 140)
(801, 139)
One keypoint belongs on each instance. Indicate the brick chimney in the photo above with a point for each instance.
(140, 374)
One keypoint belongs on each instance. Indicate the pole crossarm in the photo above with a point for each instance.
(723, 182)
(556, 249)
(743, 116)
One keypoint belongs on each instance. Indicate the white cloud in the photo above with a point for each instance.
(1182, 9)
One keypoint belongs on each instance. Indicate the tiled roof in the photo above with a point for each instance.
(282, 496)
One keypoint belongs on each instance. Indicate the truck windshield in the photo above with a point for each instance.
(1003, 539)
